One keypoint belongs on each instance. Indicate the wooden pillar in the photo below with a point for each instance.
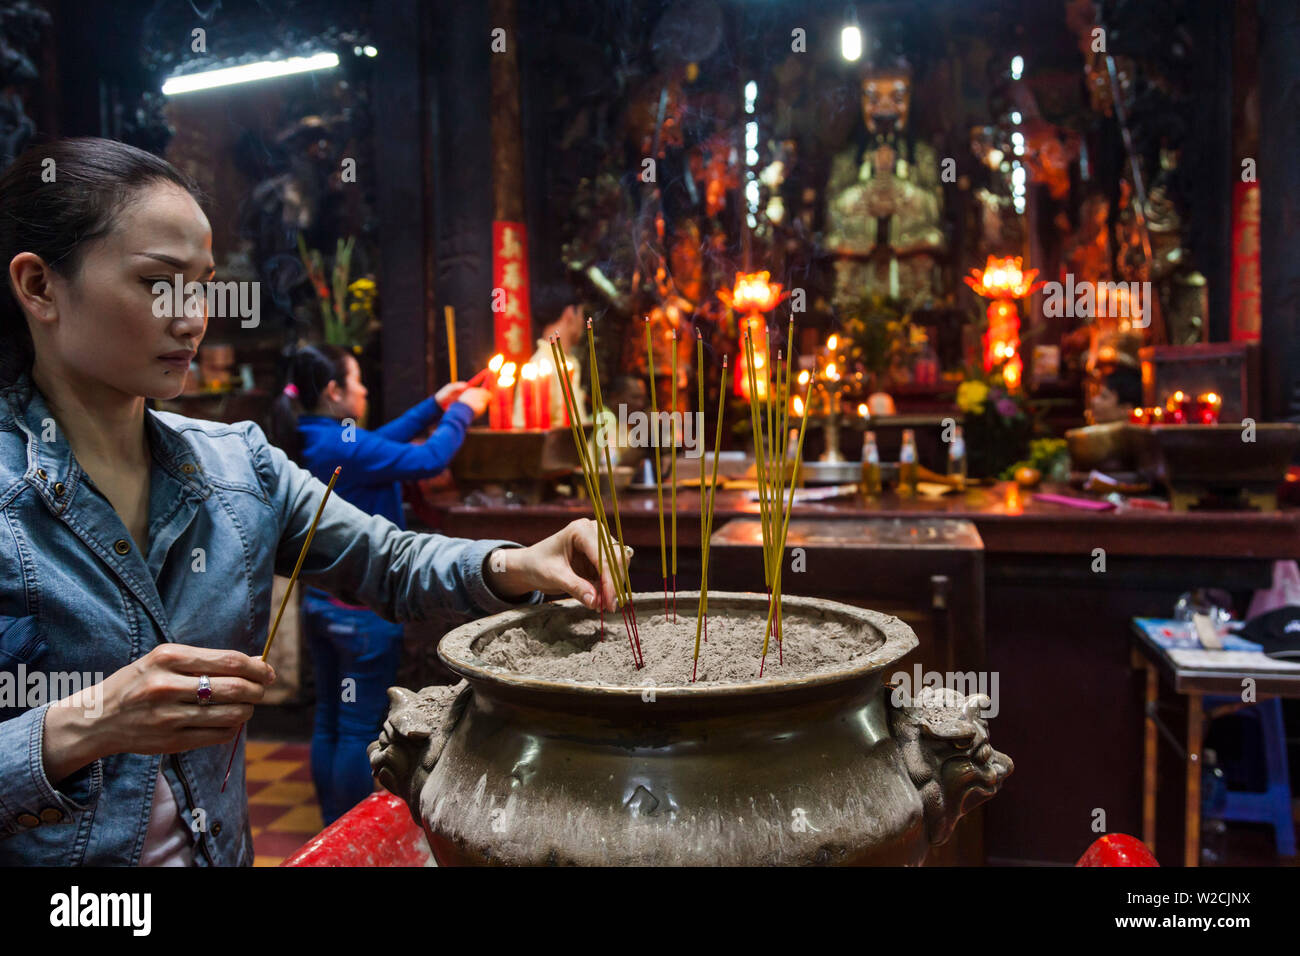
(1279, 179)
(511, 307)
(403, 205)
(462, 134)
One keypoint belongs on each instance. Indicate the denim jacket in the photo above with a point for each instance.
(78, 601)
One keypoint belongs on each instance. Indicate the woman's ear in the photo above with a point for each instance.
(332, 394)
(30, 278)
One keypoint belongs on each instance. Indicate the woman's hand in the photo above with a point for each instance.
(151, 706)
(565, 563)
(448, 394)
(477, 399)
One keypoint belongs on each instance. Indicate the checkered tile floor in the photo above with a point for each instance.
(282, 807)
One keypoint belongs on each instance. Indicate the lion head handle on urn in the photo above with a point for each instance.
(948, 756)
(414, 734)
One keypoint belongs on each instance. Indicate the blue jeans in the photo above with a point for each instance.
(355, 654)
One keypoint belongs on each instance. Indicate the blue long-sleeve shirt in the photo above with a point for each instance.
(374, 462)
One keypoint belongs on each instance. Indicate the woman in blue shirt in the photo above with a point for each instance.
(355, 652)
(137, 548)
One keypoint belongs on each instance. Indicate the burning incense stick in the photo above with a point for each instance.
(655, 435)
(775, 603)
(672, 424)
(756, 423)
(599, 401)
(623, 593)
(275, 626)
(450, 315)
(706, 515)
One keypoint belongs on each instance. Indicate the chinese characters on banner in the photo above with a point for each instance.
(511, 314)
(1245, 262)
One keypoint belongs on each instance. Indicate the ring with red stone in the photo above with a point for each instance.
(205, 690)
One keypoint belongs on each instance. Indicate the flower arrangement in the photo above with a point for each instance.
(998, 423)
(881, 336)
(347, 309)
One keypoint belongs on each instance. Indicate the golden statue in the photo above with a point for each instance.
(884, 215)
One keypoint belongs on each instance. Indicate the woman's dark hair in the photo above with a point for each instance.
(54, 200)
(311, 369)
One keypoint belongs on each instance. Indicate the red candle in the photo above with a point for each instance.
(1208, 405)
(544, 396)
(503, 398)
(528, 388)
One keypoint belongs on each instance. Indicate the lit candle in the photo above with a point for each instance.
(1208, 405)
(1176, 405)
(528, 394)
(503, 400)
(544, 373)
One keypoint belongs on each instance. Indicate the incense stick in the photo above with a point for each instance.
(672, 424)
(785, 525)
(706, 515)
(450, 314)
(592, 479)
(599, 402)
(655, 435)
(275, 626)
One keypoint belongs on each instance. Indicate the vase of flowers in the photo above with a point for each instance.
(997, 423)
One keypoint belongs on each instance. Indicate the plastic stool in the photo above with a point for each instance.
(1273, 804)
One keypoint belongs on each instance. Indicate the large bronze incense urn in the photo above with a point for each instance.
(821, 767)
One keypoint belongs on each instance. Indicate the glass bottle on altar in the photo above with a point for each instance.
(907, 473)
(957, 459)
(870, 485)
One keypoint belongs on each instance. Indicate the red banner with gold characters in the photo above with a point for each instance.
(1245, 262)
(510, 310)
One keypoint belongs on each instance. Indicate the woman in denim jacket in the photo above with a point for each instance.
(137, 548)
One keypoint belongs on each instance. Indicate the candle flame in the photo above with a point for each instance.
(803, 377)
(862, 410)
(495, 364)
(831, 372)
(528, 372)
(1011, 373)
(798, 405)
(833, 342)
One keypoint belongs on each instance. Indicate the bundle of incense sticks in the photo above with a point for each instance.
(275, 626)
(706, 509)
(591, 475)
(771, 453)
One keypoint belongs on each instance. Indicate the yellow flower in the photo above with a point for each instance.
(360, 285)
(971, 397)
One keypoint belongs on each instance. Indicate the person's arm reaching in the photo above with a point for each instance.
(423, 414)
(411, 422)
(405, 576)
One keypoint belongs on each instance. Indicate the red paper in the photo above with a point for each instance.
(512, 319)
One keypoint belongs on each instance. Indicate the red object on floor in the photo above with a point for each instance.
(1117, 849)
(378, 831)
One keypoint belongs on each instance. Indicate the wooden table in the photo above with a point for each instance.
(1194, 679)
